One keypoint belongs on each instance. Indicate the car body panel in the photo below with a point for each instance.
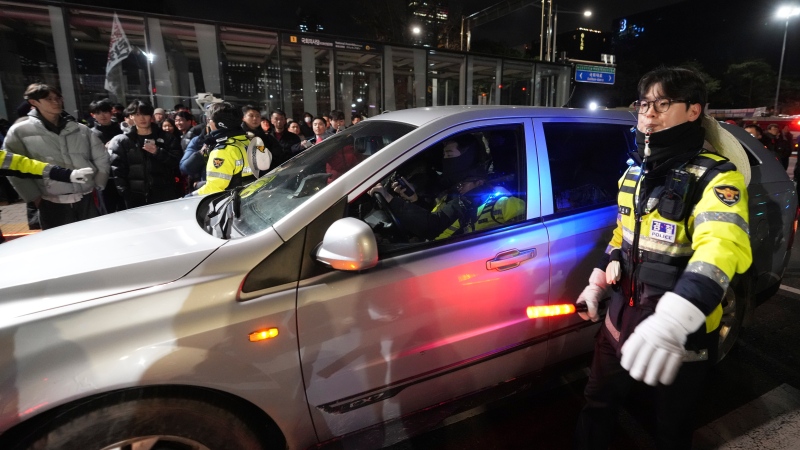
(138, 248)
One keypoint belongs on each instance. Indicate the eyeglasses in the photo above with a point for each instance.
(661, 105)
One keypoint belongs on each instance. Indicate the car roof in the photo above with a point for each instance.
(422, 116)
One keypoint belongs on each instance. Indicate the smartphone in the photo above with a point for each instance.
(149, 141)
(402, 182)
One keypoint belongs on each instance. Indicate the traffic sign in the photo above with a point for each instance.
(585, 73)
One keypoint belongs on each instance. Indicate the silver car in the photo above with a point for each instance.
(300, 310)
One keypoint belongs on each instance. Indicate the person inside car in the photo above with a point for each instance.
(470, 203)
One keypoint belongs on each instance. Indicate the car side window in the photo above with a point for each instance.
(466, 183)
(586, 162)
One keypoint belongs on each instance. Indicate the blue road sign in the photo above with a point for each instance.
(585, 73)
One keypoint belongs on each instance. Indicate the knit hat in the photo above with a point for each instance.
(159, 111)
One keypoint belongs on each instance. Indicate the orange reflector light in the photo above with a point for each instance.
(263, 335)
(537, 312)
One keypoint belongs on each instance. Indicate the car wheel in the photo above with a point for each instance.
(734, 304)
(149, 424)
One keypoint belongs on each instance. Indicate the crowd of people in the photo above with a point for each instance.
(127, 156)
(779, 142)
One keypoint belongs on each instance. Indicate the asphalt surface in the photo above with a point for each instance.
(752, 399)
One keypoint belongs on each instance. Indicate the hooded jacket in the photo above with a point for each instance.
(142, 177)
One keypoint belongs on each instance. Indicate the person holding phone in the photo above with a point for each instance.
(145, 159)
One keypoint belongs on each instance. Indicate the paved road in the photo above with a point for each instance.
(752, 401)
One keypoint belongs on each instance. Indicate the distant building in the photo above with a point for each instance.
(583, 43)
(430, 17)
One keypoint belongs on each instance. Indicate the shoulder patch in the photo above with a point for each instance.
(218, 162)
(624, 210)
(727, 194)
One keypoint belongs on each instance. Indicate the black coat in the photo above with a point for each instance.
(106, 132)
(141, 177)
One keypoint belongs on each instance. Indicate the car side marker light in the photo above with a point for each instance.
(538, 312)
(262, 335)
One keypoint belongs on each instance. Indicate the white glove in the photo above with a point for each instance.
(592, 293)
(613, 272)
(79, 175)
(654, 352)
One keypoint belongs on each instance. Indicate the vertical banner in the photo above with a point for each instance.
(118, 49)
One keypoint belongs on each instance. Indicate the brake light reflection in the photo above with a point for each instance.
(537, 312)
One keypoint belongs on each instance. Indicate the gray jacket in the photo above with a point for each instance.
(74, 147)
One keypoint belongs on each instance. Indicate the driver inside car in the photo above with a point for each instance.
(469, 203)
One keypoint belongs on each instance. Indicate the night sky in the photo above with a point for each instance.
(745, 29)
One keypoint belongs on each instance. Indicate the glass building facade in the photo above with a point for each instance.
(172, 59)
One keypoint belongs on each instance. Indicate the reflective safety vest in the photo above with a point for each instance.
(12, 164)
(227, 166)
(498, 208)
(695, 256)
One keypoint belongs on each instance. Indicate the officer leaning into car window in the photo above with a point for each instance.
(228, 166)
(681, 236)
(469, 196)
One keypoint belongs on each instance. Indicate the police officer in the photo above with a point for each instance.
(469, 202)
(228, 165)
(681, 236)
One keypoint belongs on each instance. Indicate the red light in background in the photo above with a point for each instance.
(524, 89)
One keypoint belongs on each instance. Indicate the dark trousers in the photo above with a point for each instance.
(609, 385)
(52, 214)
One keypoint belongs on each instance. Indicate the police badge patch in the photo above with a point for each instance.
(727, 194)
(218, 162)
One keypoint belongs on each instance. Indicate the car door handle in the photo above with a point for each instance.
(510, 259)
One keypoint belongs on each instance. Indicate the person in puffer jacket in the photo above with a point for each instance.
(54, 137)
(145, 160)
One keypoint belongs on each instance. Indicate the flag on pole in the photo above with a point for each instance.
(118, 50)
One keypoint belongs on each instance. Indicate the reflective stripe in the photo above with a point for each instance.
(610, 249)
(627, 189)
(657, 246)
(611, 328)
(224, 176)
(7, 161)
(712, 216)
(46, 171)
(710, 271)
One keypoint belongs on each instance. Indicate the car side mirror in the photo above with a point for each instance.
(349, 244)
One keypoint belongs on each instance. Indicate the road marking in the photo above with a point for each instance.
(790, 289)
(771, 421)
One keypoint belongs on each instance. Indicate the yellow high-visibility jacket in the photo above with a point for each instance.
(227, 166)
(695, 258)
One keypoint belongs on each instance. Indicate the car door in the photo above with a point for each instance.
(582, 160)
(435, 320)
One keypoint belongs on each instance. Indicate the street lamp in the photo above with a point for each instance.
(785, 12)
(586, 13)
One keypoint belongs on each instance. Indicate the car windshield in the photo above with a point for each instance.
(277, 193)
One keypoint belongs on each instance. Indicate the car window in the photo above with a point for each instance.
(586, 162)
(283, 189)
(467, 183)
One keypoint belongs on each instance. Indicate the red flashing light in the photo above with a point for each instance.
(500, 86)
(524, 89)
(154, 90)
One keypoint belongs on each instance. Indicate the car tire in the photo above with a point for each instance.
(734, 305)
(152, 423)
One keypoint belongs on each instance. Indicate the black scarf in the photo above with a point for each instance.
(684, 138)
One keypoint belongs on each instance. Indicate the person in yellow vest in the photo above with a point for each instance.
(470, 203)
(228, 166)
(681, 236)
